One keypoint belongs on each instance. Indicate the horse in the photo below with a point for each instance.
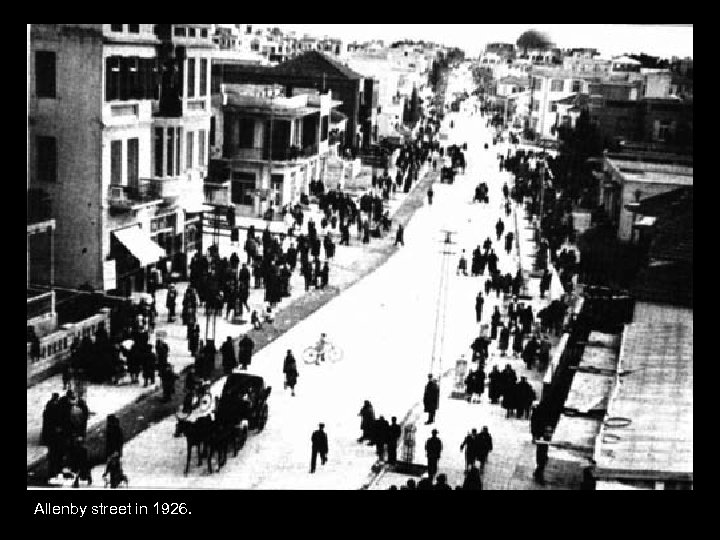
(197, 434)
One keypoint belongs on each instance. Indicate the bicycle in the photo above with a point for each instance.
(330, 351)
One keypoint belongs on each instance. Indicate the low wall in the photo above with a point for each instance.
(55, 347)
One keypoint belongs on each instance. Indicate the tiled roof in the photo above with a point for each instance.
(314, 63)
(648, 431)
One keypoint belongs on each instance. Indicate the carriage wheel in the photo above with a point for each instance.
(334, 354)
(262, 417)
(310, 355)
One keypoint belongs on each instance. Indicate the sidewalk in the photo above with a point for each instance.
(139, 407)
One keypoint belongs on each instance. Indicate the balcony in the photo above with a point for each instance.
(292, 153)
(40, 303)
(217, 194)
(133, 198)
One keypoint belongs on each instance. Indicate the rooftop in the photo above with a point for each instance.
(658, 173)
(648, 432)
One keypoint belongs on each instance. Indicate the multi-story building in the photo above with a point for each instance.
(548, 87)
(629, 179)
(119, 123)
(310, 70)
(272, 146)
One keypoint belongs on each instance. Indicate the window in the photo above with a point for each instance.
(133, 161)
(276, 184)
(537, 84)
(179, 31)
(134, 28)
(556, 85)
(45, 74)
(246, 133)
(116, 27)
(178, 142)
(201, 148)
(577, 86)
(189, 150)
(203, 76)
(158, 151)
(116, 163)
(212, 131)
(204, 32)
(242, 187)
(170, 151)
(324, 128)
(47, 159)
(553, 107)
(191, 32)
(536, 106)
(191, 77)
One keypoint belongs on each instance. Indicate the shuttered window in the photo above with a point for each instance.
(191, 78)
(203, 76)
(133, 161)
(45, 74)
(201, 148)
(116, 163)
(189, 150)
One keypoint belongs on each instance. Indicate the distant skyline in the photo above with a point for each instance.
(610, 39)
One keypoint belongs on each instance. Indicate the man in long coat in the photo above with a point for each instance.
(433, 449)
(228, 355)
(245, 350)
(431, 399)
(483, 446)
(319, 446)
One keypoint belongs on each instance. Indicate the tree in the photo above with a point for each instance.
(533, 39)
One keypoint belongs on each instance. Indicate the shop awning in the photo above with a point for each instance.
(140, 245)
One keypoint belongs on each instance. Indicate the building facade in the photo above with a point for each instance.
(119, 118)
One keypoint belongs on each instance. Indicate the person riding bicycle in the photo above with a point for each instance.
(320, 348)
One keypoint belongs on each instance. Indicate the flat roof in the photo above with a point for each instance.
(648, 431)
(658, 173)
(577, 435)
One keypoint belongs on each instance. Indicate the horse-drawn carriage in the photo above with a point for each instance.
(224, 421)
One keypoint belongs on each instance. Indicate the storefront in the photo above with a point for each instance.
(135, 255)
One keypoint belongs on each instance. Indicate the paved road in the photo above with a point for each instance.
(385, 325)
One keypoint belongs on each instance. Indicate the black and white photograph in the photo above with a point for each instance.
(359, 257)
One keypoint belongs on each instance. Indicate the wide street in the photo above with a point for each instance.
(385, 326)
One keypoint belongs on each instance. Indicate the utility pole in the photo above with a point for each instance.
(441, 305)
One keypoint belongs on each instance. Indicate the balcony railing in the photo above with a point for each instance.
(278, 153)
(127, 197)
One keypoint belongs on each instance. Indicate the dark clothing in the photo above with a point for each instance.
(433, 449)
(228, 356)
(484, 447)
(473, 481)
(114, 440)
(431, 399)
(245, 350)
(319, 446)
(392, 442)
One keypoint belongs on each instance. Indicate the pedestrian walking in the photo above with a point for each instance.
(228, 355)
(433, 450)
(478, 306)
(168, 378)
(392, 440)
(462, 264)
(382, 429)
(399, 236)
(245, 350)
(319, 446)
(469, 444)
(430, 194)
(541, 456)
(367, 422)
(484, 446)
(431, 399)
(290, 371)
(171, 301)
(114, 438)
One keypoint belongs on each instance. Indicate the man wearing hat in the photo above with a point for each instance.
(433, 449)
(319, 446)
(431, 398)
